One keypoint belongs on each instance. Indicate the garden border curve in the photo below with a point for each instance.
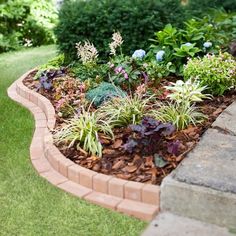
(135, 199)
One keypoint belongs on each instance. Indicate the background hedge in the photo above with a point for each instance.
(137, 20)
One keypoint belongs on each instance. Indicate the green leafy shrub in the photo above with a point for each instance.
(26, 23)
(97, 20)
(217, 72)
(84, 133)
(174, 45)
(199, 6)
(95, 72)
(156, 71)
(104, 92)
(53, 64)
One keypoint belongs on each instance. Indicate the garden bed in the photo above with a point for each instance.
(119, 163)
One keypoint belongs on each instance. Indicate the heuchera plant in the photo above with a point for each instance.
(47, 76)
(149, 135)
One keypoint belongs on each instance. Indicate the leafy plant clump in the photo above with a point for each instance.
(173, 45)
(182, 111)
(54, 64)
(123, 111)
(104, 92)
(149, 135)
(217, 72)
(69, 94)
(46, 78)
(83, 132)
(181, 115)
(189, 91)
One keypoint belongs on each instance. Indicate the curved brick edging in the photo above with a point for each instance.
(132, 198)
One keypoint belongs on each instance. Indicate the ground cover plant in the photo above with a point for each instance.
(29, 204)
(137, 115)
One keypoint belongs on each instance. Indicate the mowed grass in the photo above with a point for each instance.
(29, 205)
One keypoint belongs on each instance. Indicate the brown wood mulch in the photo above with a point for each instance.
(137, 167)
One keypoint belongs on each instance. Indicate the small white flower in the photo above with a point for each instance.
(140, 53)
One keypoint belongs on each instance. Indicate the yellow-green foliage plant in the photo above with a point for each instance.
(83, 132)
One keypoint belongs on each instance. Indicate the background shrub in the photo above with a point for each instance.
(26, 23)
(136, 20)
(199, 6)
(96, 21)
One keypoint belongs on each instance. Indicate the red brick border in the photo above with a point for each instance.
(134, 199)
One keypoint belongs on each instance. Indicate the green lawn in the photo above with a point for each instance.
(29, 205)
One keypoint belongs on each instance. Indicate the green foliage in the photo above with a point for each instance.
(226, 27)
(53, 64)
(94, 72)
(104, 92)
(199, 6)
(179, 44)
(217, 72)
(187, 92)
(97, 20)
(156, 71)
(83, 132)
(181, 115)
(26, 23)
(120, 112)
(197, 38)
(125, 71)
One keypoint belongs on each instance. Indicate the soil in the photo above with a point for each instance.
(137, 167)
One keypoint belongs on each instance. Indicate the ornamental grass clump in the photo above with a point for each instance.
(83, 132)
(217, 72)
(123, 111)
(181, 115)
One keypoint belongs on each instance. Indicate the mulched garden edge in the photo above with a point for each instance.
(135, 199)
